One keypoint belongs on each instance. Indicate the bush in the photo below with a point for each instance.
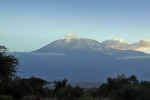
(86, 98)
(106, 99)
(28, 98)
(6, 98)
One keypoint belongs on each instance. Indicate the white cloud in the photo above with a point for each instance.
(70, 36)
(135, 57)
(49, 54)
(142, 45)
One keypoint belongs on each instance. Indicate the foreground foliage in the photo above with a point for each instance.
(8, 68)
(125, 88)
(3, 97)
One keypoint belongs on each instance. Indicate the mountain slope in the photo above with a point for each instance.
(63, 45)
(83, 46)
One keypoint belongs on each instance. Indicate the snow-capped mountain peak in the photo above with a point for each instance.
(72, 44)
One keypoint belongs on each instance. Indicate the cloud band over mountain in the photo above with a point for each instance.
(142, 45)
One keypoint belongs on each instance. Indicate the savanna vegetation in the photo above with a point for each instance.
(13, 87)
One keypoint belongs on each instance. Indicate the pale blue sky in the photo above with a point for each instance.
(26, 25)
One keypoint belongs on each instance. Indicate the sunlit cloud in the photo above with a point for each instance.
(142, 45)
(70, 36)
(121, 40)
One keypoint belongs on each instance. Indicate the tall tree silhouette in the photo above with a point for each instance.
(8, 68)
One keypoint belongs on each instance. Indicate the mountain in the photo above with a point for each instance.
(83, 45)
(64, 45)
(82, 60)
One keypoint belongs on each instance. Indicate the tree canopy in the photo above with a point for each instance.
(8, 65)
(8, 69)
(125, 88)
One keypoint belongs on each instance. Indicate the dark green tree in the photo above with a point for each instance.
(144, 88)
(28, 86)
(8, 65)
(61, 88)
(8, 69)
(76, 92)
(120, 88)
(93, 92)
